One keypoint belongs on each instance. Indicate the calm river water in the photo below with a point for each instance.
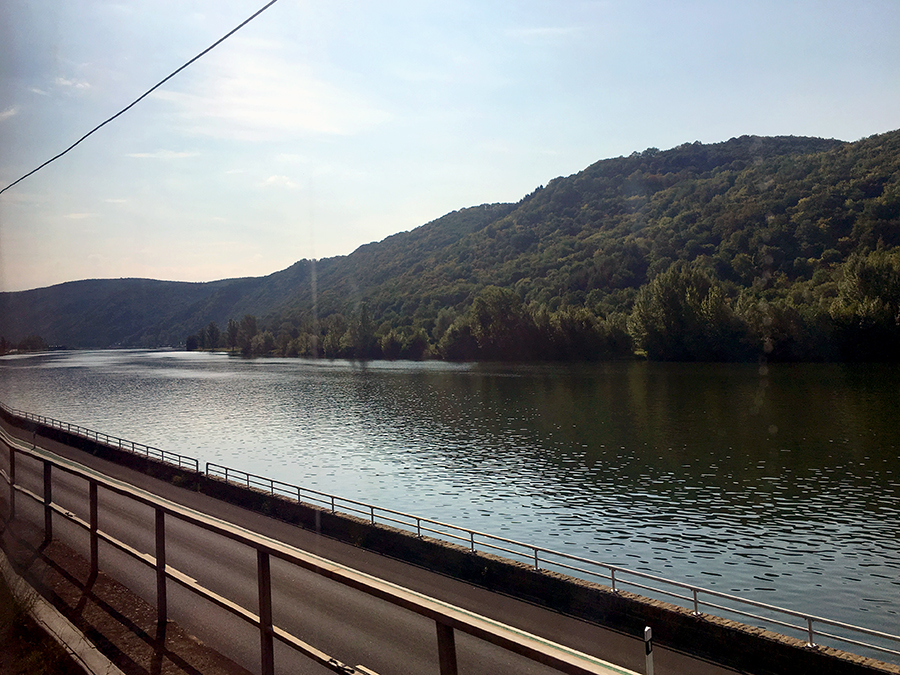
(778, 484)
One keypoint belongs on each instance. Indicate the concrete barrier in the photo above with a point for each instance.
(746, 648)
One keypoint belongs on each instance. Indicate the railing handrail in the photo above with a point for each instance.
(447, 616)
(244, 478)
(373, 511)
(167, 456)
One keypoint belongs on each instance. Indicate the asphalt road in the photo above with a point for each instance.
(347, 624)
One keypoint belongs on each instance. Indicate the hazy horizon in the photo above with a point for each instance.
(318, 129)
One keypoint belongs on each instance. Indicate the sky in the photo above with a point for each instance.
(323, 126)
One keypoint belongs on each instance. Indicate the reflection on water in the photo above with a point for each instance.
(779, 484)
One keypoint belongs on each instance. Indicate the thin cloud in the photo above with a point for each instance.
(255, 94)
(74, 84)
(11, 111)
(291, 157)
(41, 92)
(162, 154)
(280, 181)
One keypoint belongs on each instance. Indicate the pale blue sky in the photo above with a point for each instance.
(322, 126)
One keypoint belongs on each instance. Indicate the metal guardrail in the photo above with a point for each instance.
(699, 600)
(448, 618)
(173, 458)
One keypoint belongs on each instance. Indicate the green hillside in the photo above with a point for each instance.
(775, 248)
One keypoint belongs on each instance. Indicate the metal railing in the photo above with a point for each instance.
(699, 600)
(448, 619)
(173, 458)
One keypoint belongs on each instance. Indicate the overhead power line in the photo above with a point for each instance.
(144, 95)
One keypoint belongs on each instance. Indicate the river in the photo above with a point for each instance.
(778, 483)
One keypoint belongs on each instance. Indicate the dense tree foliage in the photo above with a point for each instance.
(684, 315)
(31, 343)
(756, 248)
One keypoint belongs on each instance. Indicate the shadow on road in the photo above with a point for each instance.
(115, 620)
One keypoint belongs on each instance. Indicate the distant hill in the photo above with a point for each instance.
(768, 232)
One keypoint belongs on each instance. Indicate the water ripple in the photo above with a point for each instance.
(676, 470)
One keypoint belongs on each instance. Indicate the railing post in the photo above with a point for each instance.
(696, 604)
(48, 500)
(446, 649)
(612, 579)
(12, 482)
(94, 527)
(537, 565)
(266, 644)
(161, 601)
(648, 649)
(811, 638)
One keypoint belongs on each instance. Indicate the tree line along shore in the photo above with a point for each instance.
(684, 314)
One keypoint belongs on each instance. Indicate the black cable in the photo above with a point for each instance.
(144, 95)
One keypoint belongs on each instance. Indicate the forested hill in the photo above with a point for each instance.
(758, 247)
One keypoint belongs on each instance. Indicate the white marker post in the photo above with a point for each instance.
(648, 648)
